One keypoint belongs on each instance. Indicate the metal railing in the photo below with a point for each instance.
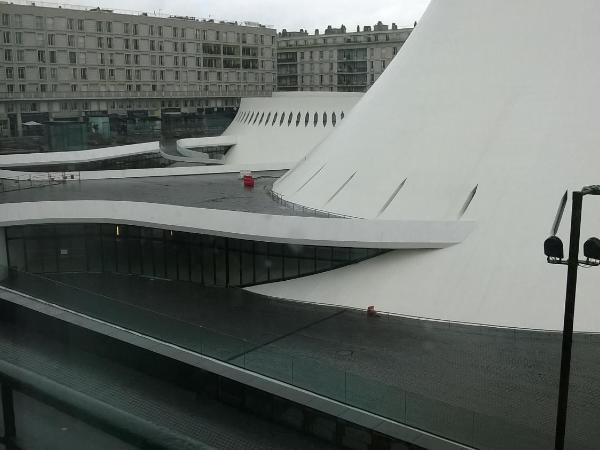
(33, 180)
(125, 95)
(129, 12)
(305, 209)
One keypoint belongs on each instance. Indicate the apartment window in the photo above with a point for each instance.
(39, 22)
(51, 40)
(153, 75)
(176, 60)
(54, 87)
(162, 75)
(102, 58)
(174, 31)
(151, 30)
(9, 73)
(153, 88)
(136, 44)
(175, 46)
(127, 58)
(21, 73)
(71, 40)
(126, 28)
(43, 87)
(6, 20)
(152, 45)
(74, 74)
(53, 73)
(128, 76)
(70, 24)
(111, 59)
(126, 44)
(20, 55)
(10, 88)
(8, 54)
(100, 42)
(99, 27)
(72, 58)
(73, 88)
(152, 60)
(135, 29)
(160, 30)
(109, 42)
(111, 74)
(160, 46)
(83, 73)
(42, 73)
(22, 88)
(177, 75)
(161, 60)
(41, 56)
(183, 33)
(183, 61)
(18, 38)
(382, 65)
(80, 24)
(109, 27)
(18, 20)
(138, 87)
(136, 60)
(138, 74)
(102, 74)
(6, 37)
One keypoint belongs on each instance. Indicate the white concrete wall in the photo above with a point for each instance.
(477, 96)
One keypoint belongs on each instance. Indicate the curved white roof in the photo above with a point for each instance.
(480, 95)
(262, 136)
(239, 224)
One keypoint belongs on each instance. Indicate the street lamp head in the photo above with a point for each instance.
(553, 248)
(591, 249)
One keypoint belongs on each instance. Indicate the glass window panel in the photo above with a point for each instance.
(220, 262)
(34, 255)
(171, 260)
(261, 268)
(276, 267)
(158, 252)
(307, 266)
(109, 255)
(208, 266)
(183, 262)
(234, 267)
(72, 254)
(94, 254)
(122, 256)
(247, 268)
(196, 264)
(341, 254)
(135, 256)
(16, 253)
(291, 267)
(147, 256)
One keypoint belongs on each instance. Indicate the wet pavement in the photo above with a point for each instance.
(213, 191)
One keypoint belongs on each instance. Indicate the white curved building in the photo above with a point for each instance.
(468, 109)
(280, 129)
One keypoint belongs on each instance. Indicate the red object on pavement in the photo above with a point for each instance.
(248, 181)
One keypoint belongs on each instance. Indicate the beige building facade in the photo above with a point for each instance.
(336, 60)
(60, 63)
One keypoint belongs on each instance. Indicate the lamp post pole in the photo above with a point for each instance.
(567, 337)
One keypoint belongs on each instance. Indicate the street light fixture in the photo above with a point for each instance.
(553, 249)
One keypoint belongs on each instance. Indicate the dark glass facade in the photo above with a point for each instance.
(203, 259)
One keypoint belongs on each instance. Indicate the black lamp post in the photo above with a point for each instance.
(553, 249)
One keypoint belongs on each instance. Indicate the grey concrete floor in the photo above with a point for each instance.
(214, 191)
(490, 388)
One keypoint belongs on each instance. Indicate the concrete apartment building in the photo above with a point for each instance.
(60, 63)
(336, 60)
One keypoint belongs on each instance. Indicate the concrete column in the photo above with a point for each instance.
(3, 255)
(19, 124)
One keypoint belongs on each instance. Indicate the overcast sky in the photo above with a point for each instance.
(292, 15)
